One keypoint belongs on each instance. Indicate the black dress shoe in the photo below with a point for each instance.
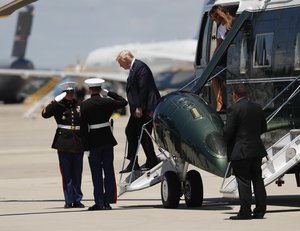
(78, 205)
(68, 206)
(129, 168)
(96, 207)
(125, 170)
(257, 216)
(239, 217)
(145, 167)
(107, 207)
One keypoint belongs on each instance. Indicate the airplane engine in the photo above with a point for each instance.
(186, 126)
(10, 86)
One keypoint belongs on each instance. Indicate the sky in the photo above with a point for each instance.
(65, 31)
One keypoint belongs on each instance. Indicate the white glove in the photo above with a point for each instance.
(104, 92)
(59, 97)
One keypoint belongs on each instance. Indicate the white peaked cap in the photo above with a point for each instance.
(67, 86)
(94, 82)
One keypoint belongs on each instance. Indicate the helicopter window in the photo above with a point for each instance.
(204, 47)
(297, 53)
(243, 57)
(263, 50)
(201, 56)
(213, 44)
(206, 41)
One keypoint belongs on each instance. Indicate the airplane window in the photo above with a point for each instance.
(297, 53)
(263, 50)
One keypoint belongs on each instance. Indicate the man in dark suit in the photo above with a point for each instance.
(97, 137)
(143, 96)
(68, 143)
(245, 123)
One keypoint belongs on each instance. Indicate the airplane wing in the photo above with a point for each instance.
(12, 6)
(27, 73)
(42, 97)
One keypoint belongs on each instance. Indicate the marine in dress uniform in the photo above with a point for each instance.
(98, 139)
(68, 143)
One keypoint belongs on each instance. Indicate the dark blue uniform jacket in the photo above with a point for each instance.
(98, 110)
(66, 113)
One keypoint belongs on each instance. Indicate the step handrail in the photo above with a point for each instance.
(280, 93)
(272, 115)
(222, 69)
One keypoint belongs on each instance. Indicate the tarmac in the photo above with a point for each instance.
(31, 195)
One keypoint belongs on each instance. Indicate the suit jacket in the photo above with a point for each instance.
(65, 113)
(245, 123)
(141, 89)
(97, 110)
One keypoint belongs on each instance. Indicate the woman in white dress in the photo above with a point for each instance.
(224, 20)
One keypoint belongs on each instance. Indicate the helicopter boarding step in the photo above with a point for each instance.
(282, 156)
(138, 180)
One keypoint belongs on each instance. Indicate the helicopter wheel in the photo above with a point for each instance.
(193, 189)
(170, 190)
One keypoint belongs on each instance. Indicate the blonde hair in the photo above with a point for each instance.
(223, 14)
(125, 56)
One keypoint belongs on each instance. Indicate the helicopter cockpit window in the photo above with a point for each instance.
(263, 50)
(297, 53)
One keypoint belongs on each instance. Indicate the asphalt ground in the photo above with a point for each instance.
(31, 195)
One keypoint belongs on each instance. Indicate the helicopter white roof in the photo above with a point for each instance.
(254, 5)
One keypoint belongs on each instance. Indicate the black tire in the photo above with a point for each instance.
(170, 190)
(193, 189)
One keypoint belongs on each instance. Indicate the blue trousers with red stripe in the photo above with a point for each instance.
(101, 162)
(71, 170)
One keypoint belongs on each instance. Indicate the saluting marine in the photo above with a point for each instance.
(98, 139)
(68, 143)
